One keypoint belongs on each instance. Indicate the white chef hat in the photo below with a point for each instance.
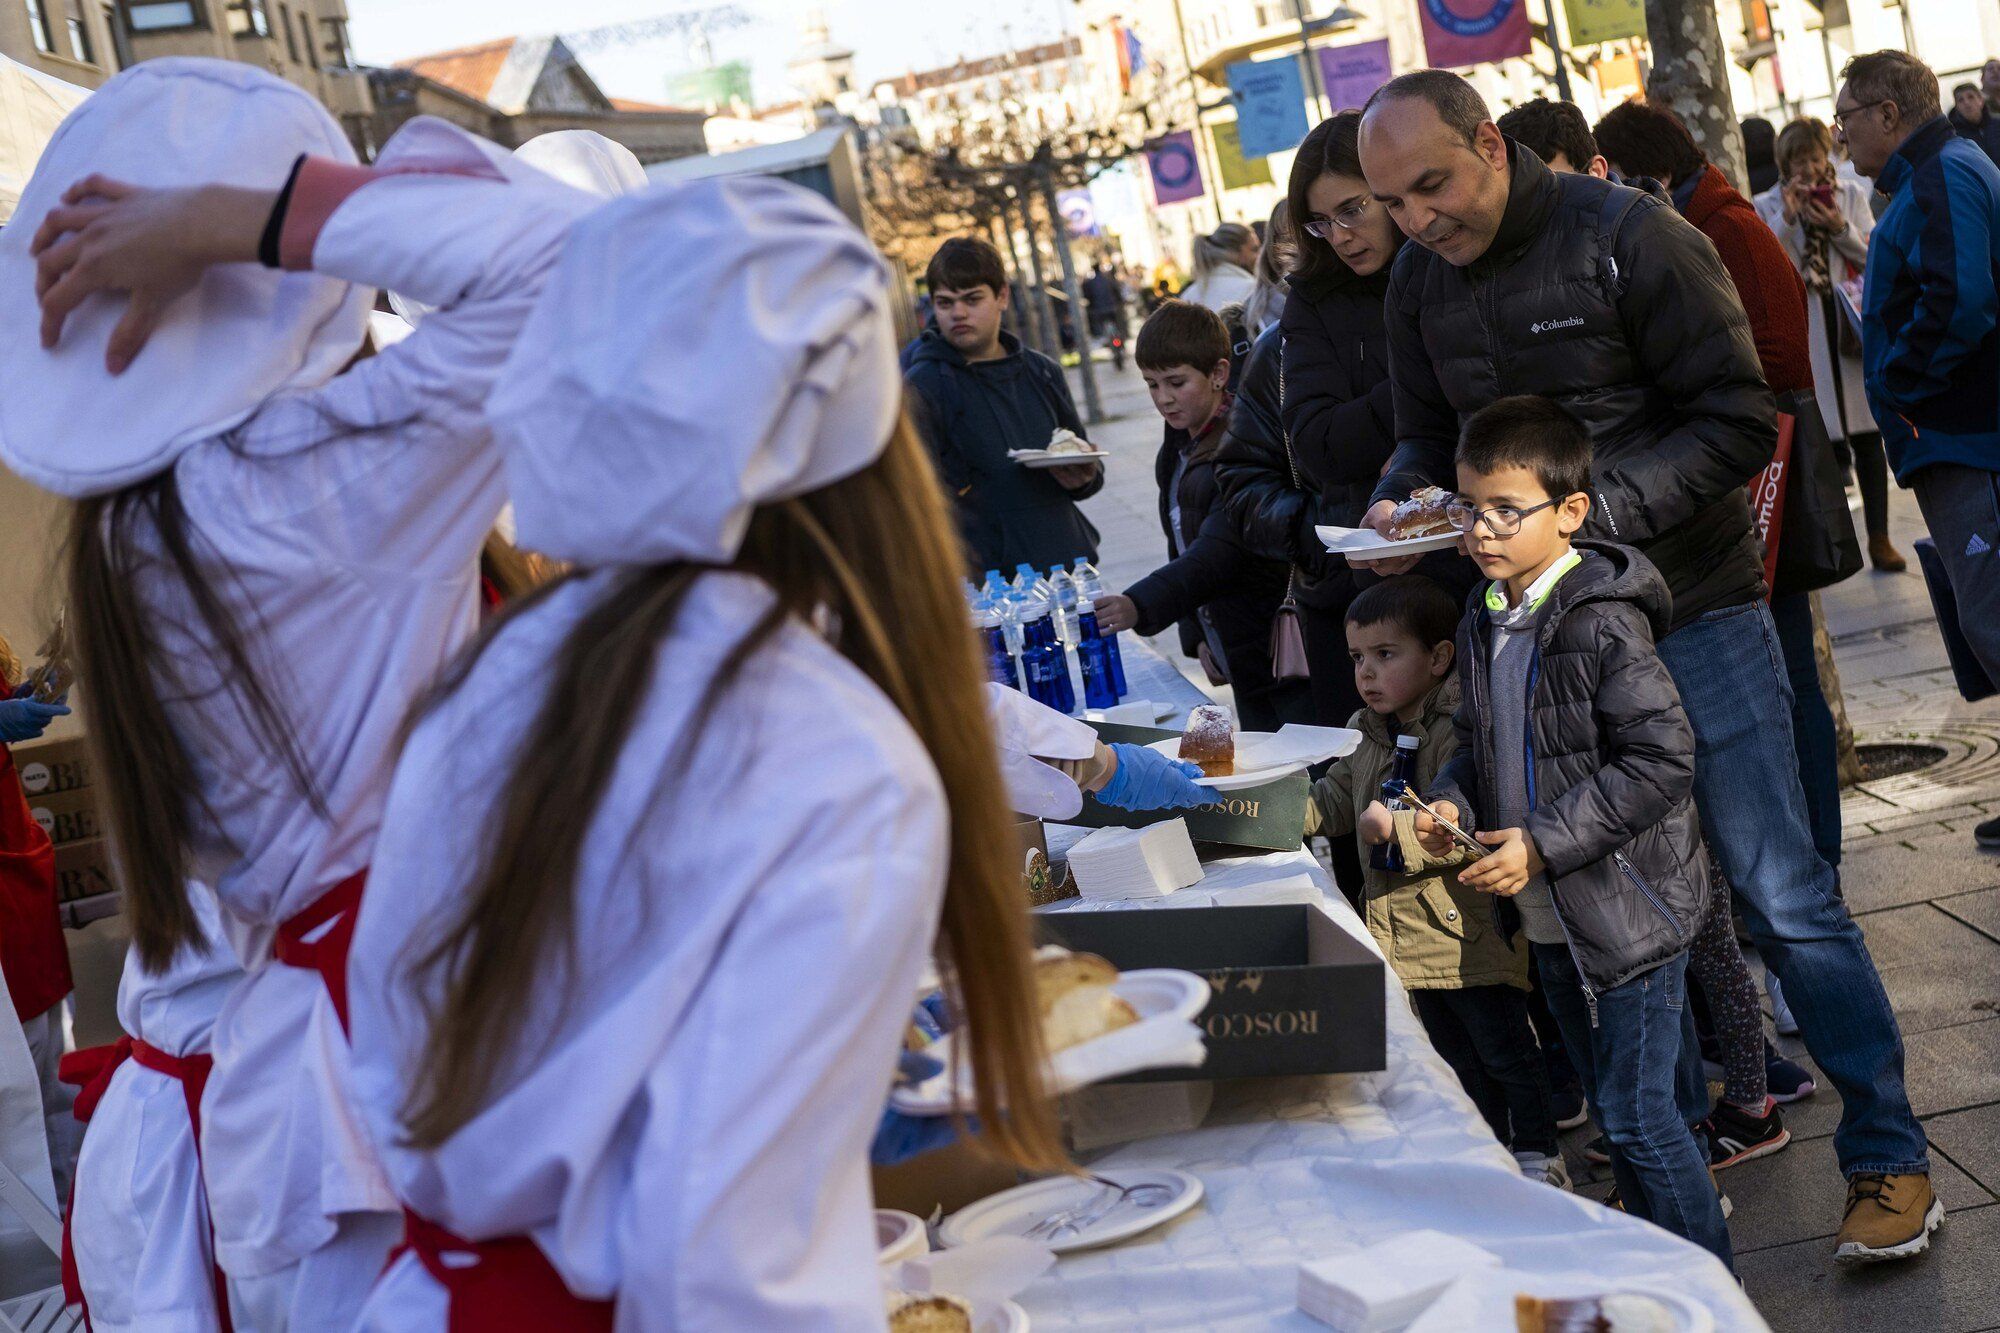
(587, 160)
(699, 351)
(1027, 733)
(583, 159)
(244, 334)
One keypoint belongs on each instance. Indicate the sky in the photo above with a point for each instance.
(888, 36)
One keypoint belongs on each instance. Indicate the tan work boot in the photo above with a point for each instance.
(1888, 1217)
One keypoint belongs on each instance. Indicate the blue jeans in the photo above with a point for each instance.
(1732, 679)
(1812, 725)
(1626, 1056)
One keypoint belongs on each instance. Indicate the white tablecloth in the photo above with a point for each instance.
(1303, 1168)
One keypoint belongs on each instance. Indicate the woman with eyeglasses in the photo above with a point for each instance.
(1313, 423)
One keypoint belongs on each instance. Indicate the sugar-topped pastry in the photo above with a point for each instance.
(1210, 740)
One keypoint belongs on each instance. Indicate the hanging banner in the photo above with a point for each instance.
(1079, 212)
(1351, 74)
(1594, 21)
(1458, 33)
(1175, 170)
(1270, 105)
(1236, 170)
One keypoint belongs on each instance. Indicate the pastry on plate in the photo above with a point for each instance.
(1626, 1312)
(1067, 441)
(1422, 515)
(912, 1313)
(1210, 741)
(1076, 999)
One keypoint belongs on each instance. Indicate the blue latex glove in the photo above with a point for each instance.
(900, 1137)
(24, 719)
(1148, 780)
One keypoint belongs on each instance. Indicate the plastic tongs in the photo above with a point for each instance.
(1465, 840)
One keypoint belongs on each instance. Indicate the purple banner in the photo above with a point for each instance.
(1175, 169)
(1458, 33)
(1352, 73)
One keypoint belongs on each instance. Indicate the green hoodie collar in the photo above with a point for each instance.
(1538, 591)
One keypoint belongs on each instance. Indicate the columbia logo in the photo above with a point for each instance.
(1977, 546)
(1551, 325)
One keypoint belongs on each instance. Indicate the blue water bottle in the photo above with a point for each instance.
(1088, 580)
(1388, 856)
(993, 638)
(1094, 655)
(1064, 589)
(1041, 593)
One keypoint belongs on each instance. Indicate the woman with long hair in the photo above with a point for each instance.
(667, 850)
(270, 556)
(1274, 260)
(1222, 263)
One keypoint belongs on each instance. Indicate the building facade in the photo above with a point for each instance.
(513, 89)
(77, 41)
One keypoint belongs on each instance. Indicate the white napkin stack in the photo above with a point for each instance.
(1382, 1288)
(1120, 864)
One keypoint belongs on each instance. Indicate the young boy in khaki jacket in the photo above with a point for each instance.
(1468, 985)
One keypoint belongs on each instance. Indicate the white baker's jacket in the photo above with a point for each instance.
(754, 905)
(139, 1214)
(343, 524)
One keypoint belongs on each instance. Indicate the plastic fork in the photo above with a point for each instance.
(1096, 1207)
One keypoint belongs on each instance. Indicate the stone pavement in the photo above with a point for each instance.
(1928, 901)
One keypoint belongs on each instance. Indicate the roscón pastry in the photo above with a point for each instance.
(911, 1313)
(1210, 740)
(1067, 441)
(1627, 1312)
(1422, 515)
(1076, 999)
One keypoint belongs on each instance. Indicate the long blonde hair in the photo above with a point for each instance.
(845, 556)
(1219, 248)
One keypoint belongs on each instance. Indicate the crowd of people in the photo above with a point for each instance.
(1593, 342)
(518, 942)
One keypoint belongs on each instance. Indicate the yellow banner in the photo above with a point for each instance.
(1594, 21)
(1237, 170)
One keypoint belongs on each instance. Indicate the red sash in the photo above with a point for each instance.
(326, 955)
(90, 1071)
(511, 1287)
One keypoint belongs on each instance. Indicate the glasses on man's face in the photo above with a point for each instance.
(1347, 219)
(1840, 116)
(1501, 521)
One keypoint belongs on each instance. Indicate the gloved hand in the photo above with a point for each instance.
(24, 719)
(1148, 780)
(900, 1137)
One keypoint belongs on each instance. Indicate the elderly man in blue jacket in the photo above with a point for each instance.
(1931, 325)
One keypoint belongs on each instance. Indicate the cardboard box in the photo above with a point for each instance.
(47, 767)
(1294, 993)
(83, 869)
(67, 816)
(1269, 818)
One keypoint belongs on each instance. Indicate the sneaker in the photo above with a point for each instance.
(1735, 1135)
(1789, 1081)
(1781, 1013)
(1986, 833)
(1598, 1151)
(1888, 1218)
(1551, 1171)
(1570, 1108)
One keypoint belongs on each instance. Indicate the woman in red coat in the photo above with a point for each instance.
(34, 960)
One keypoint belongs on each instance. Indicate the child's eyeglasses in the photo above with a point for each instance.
(1503, 521)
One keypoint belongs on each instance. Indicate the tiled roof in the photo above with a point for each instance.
(469, 69)
(966, 70)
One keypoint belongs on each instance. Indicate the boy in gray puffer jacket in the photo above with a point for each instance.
(1577, 760)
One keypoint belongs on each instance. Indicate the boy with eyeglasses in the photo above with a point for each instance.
(1575, 765)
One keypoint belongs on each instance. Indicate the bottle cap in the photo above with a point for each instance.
(1409, 742)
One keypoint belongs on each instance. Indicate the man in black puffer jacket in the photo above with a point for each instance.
(1575, 756)
(1608, 302)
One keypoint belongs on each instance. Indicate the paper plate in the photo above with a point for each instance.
(1486, 1300)
(1041, 458)
(1368, 544)
(1250, 771)
(899, 1236)
(1014, 1212)
(1167, 1002)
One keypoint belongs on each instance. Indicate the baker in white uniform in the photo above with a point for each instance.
(140, 1255)
(672, 1130)
(336, 517)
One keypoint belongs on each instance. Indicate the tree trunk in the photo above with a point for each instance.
(1691, 77)
(1079, 318)
(1038, 296)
